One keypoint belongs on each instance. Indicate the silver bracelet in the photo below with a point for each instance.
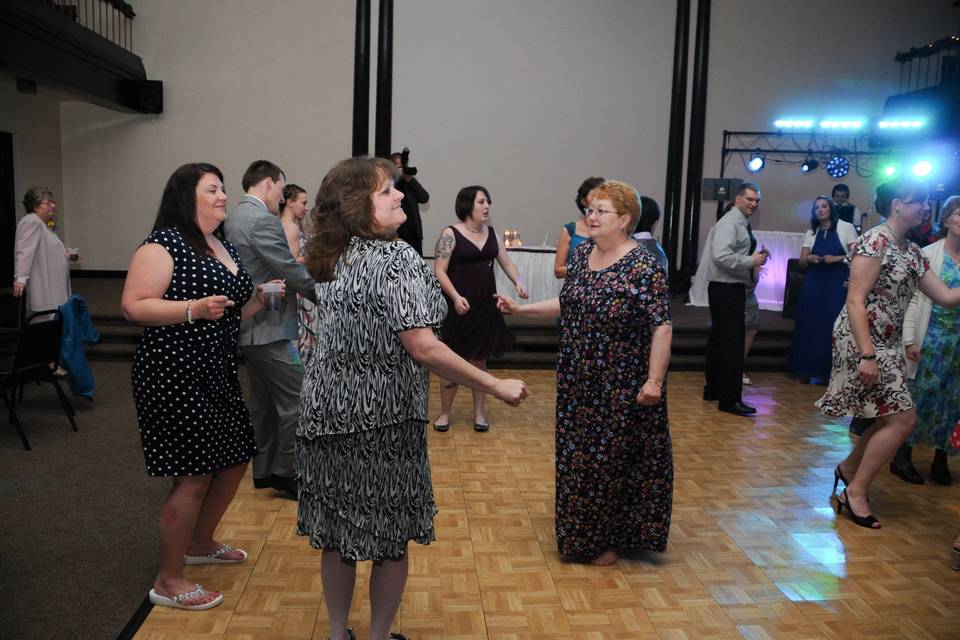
(189, 311)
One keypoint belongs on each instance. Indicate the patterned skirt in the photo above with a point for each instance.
(366, 494)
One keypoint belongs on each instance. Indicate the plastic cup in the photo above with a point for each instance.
(272, 295)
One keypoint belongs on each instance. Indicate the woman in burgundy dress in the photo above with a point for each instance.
(463, 264)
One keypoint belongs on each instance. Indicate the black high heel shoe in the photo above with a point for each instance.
(864, 521)
(838, 478)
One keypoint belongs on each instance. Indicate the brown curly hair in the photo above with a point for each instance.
(344, 209)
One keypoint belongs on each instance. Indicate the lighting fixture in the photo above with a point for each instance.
(756, 163)
(810, 164)
(840, 123)
(794, 123)
(903, 124)
(922, 168)
(838, 167)
(889, 171)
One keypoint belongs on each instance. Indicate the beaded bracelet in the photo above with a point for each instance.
(189, 312)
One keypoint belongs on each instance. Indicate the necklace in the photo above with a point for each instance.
(897, 236)
(478, 231)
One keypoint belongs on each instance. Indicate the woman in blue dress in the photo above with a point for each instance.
(573, 233)
(824, 256)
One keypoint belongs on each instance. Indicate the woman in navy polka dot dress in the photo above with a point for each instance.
(187, 286)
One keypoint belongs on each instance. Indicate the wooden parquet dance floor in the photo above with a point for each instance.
(756, 550)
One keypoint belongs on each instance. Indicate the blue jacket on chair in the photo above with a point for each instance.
(77, 331)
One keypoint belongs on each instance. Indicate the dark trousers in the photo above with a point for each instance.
(724, 370)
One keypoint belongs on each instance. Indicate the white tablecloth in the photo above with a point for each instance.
(535, 265)
(783, 245)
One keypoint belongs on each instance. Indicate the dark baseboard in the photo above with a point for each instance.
(136, 620)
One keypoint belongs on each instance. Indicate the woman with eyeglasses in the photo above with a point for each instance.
(42, 263)
(614, 456)
(869, 378)
(931, 335)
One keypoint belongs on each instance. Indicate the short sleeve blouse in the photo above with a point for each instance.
(360, 377)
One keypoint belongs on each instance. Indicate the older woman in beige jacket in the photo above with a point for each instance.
(929, 339)
(42, 263)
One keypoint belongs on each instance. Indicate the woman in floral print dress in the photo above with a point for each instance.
(614, 456)
(868, 377)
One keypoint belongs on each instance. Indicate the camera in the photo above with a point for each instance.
(405, 163)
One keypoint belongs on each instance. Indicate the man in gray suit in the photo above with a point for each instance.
(268, 339)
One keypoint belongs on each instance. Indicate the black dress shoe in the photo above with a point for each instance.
(286, 486)
(907, 472)
(261, 483)
(941, 475)
(710, 395)
(737, 408)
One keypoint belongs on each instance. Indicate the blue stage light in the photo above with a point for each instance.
(922, 168)
(906, 123)
(756, 163)
(889, 171)
(838, 167)
(842, 123)
(794, 123)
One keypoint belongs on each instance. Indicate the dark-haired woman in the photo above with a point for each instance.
(868, 378)
(463, 264)
(826, 247)
(573, 233)
(186, 285)
(292, 214)
(293, 210)
(365, 488)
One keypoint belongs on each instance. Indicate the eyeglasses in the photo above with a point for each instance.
(923, 200)
(598, 212)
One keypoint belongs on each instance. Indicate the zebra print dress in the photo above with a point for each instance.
(365, 486)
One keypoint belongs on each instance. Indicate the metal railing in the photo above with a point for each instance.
(922, 67)
(110, 19)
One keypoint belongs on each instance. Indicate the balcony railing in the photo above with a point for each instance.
(110, 19)
(929, 65)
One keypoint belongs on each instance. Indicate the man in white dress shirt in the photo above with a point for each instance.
(731, 261)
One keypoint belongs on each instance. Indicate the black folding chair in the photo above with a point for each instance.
(31, 354)
(12, 310)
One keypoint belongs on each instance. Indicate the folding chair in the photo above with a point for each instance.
(31, 354)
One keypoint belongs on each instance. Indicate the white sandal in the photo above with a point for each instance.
(216, 557)
(176, 601)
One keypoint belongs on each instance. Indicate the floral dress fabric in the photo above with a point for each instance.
(936, 389)
(902, 266)
(614, 457)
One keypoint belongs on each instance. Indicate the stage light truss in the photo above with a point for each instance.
(798, 148)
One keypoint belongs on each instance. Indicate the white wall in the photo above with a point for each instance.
(243, 80)
(529, 98)
(34, 121)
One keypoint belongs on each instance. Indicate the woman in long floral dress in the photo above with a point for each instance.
(614, 455)
(868, 377)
